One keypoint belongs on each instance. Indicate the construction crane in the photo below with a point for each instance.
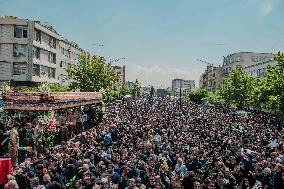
(207, 63)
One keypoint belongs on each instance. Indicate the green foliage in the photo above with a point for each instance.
(92, 74)
(214, 98)
(198, 95)
(46, 88)
(136, 89)
(5, 87)
(238, 89)
(124, 90)
(269, 93)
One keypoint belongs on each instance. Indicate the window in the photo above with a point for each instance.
(21, 32)
(258, 74)
(52, 72)
(36, 70)
(19, 68)
(37, 35)
(254, 59)
(52, 42)
(20, 50)
(264, 72)
(45, 38)
(52, 57)
(36, 52)
(45, 71)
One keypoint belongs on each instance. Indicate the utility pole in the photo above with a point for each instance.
(180, 94)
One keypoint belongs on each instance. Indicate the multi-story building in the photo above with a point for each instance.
(253, 63)
(211, 79)
(120, 70)
(31, 52)
(162, 93)
(68, 55)
(181, 83)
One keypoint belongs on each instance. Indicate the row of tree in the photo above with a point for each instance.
(242, 91)
(92, 74)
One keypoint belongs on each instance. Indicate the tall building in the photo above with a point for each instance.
(184, 84)
(120, 70)
(162, 93)
(31, 53)
(253, 63)
(211, 79)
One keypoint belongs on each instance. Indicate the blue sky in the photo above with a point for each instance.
(161, 39)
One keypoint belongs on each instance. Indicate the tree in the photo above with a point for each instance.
(198, 95)
(124, 90)
(269, 93)
(91, 74)
(44, 87)
(238, 89)
(214, 98)
(136, 89)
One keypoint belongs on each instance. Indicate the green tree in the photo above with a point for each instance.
(238, 89)
(91, 74)
(136, 89)
(214, 98)
(269, 93)
(198, 95)
(124, 90)
(45, 86)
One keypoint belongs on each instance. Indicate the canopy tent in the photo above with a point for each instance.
(49, 101)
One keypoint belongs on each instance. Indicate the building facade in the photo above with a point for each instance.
(30, 52)
(184, 84)
(162, 93)
(253, 63)
(211, 79)
(120, 70)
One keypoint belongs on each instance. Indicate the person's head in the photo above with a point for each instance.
(35, 182)
(197, 185)
(267, 171)
(93, 180)
(12, 184)
(179, 161)
(132, 183)
(104, 182)
(211, 185)
(46, 178)
(85, 167)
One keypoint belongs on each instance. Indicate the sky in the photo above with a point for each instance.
(161, 39)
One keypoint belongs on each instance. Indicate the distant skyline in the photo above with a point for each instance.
(161, 39)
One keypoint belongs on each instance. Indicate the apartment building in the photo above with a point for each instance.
(184, 84)
(253, 63)
(211, 78)
(120, 70)
(31, 53)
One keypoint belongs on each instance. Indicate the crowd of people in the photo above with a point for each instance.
(162, 144)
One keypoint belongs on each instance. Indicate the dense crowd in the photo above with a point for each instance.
(158, 144)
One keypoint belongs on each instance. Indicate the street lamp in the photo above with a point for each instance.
(180, 93)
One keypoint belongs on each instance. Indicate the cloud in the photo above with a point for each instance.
(266, 7)
(160, 76)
